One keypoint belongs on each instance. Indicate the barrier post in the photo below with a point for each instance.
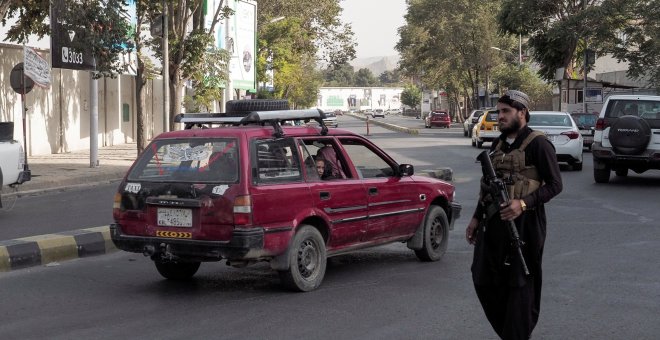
(367, 125)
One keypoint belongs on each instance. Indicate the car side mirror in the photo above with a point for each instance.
(406, 170)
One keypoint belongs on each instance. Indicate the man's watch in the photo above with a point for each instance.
(523, 205)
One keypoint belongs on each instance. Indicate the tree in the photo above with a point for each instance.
(640, 47)
(365, 78)
(390, 77)
(192, 54)
(340, 75)
(446, 44)
(293, 36)
(524, 79)
(411, 96)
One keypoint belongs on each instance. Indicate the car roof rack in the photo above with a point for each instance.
(274, 118)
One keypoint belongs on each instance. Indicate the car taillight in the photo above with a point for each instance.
(242, 210)
(571, 134)
(116, 206)
(600, 124)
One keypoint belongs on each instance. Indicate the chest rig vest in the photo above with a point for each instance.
(521, 179)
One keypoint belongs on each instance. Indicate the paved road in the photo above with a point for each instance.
(601, 277)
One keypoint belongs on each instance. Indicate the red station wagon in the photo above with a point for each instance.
(437, 118)
(254, 190)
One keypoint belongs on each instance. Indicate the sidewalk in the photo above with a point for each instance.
(57, 172)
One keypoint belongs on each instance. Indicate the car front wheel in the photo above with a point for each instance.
(307, 258)
(177, 270)
(436, 232)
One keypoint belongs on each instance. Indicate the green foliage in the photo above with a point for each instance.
(31, 18)
(411, 96)
(524, 79)
(291, 45)
(446, 44)
(390, 77)
(365, 78)
(341, 75)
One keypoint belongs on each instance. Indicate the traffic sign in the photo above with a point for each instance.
(16, 79)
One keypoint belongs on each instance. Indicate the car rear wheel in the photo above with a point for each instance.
(601, 175)
(479, 144)
(307, 258)
(177, 270)
(577, 166)
(436, 232)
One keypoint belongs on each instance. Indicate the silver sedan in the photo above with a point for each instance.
(561, 130)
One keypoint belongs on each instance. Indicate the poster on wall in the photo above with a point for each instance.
(241, 43)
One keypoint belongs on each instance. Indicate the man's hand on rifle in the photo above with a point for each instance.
(510, 212)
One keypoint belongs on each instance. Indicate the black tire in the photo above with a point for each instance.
(465, 133)
(601, 175)
(436, 234)
(479, 145)
(245, 106)
(177, 271)
(630, 135)
(621, 172)
(577, 166)
(307, 258)
(474, 144)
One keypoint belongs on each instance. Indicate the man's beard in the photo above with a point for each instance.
(514, 127)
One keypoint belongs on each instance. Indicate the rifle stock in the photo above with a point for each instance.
(498, 191)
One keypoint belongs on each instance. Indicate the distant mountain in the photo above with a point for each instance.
(376, 65)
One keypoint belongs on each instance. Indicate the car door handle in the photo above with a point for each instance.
(324, 195)
(373, 191)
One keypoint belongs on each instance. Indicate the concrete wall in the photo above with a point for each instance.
(336, 98)
(58, 118)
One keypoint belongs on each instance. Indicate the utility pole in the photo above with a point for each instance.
(166, 72)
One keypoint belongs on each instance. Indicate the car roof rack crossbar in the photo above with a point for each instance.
(274, 118)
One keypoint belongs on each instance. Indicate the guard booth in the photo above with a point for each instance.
(573, 96)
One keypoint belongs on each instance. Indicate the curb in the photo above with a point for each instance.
(51, 248)
(388, 126)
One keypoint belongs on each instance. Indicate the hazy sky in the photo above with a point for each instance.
(375, 24)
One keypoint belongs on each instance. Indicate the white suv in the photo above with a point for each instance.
(627, 136)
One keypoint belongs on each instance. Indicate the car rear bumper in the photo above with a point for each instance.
(649, 159)
(488, 136)
(242, 242)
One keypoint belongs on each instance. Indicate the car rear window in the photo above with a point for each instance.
(492, 116)
(188, 160)
(586, 120)
(647, 109)
(549, 120)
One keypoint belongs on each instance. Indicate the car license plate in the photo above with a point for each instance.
(552, 138)
(586, 132)
(168, 217)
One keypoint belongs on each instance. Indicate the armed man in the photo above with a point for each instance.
(508, 228)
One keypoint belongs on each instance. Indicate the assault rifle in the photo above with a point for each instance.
(497, 189)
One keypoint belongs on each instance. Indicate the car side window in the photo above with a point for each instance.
(368, 163)
(325, 148)
(275, 161)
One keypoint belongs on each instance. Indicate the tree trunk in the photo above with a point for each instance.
(176, 95)
(139, 87)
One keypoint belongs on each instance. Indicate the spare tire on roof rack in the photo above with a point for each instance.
(245, 106)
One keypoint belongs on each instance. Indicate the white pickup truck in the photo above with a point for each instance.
(12, 158)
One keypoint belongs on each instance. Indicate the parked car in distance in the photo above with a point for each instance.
(252, 192)
(586, 122)
(470, 121)
(438, 118)
(12, 158)
(330, 119)
(562, 132)
(378, 113)
(627, 136)
(486, 129)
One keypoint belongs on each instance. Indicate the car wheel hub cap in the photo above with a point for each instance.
(307, 258)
